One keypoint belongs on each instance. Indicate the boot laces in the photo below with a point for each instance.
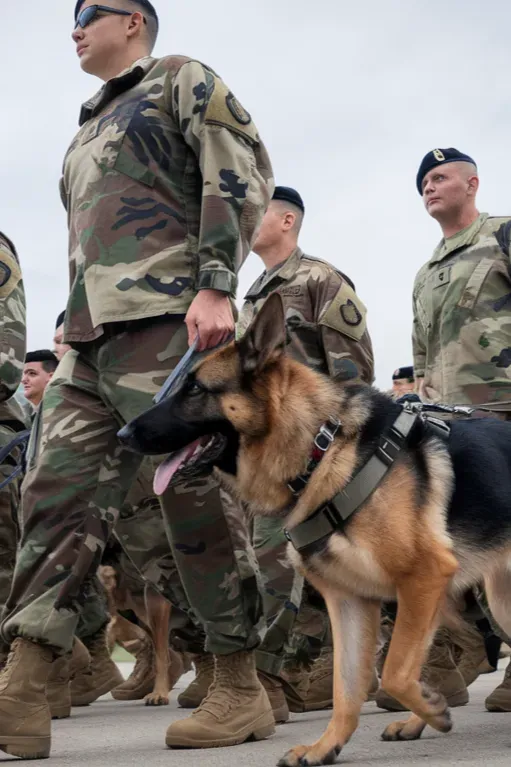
(322, 666)
(143, 663)
(204, 665)
(219, 702)
(11, 658)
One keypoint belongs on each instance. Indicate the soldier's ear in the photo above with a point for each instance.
(265, 339)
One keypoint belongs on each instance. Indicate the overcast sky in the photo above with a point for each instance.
(347, 96)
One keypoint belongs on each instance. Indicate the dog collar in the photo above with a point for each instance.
(322, 441)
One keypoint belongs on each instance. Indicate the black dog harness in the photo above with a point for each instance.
(334, 514)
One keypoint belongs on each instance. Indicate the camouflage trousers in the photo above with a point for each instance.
(297, 626)
(9, 501)
(146, 558)
(78, 478)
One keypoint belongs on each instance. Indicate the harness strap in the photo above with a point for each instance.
(335, 513)
(20, 440)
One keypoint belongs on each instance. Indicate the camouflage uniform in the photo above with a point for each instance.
(12, 417)
(462, 324)
(462, 317)
(327, 331)
(165, 186)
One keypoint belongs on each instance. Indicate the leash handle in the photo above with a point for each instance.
(181, 367)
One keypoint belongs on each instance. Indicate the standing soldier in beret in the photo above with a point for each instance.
(327, 330)
(403, 381)
(165, 186)
(462, 340)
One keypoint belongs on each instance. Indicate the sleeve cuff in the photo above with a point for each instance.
(213, 279)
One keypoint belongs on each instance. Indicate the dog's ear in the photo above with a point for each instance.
(266, 337)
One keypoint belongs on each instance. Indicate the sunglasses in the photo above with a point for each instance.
(89, 14)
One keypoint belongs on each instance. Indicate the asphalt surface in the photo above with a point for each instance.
(116, 734)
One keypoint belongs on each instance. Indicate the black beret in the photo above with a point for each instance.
(287, 194)
(439, 157)
(41, 355)
(60, 319)
(406, 372)
(145, 4)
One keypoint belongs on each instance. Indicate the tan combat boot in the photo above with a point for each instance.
(25, 721)
(471, 652)
(197, 690)
(276, 696)
(440, 673)
(296, 681)
(500, 698)
(64, 669)
(102, 676)
(236, 708)
(321, 680)
(141, 680)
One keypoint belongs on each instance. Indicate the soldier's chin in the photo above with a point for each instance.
(88, 63)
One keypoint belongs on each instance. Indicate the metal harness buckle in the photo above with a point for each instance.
(326, 434)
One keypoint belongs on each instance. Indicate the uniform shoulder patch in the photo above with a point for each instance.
(237, 110)
(346, 313)
(224, 109)
(10, 272)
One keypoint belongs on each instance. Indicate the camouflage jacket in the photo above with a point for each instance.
(325, 318)
(165, 186)
(12, 331)
(462, 317)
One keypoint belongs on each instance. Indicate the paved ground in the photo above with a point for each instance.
(115, 734)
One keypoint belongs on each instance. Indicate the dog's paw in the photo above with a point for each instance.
(308, 756)
(155, 699)
(408, 729)
(441, 722)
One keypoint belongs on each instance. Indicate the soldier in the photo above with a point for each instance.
(462, 313)
(165, 186)
(12, 418)
(403, 381)
(59, 347)
(38, 371)
(145, 556)
(92, 672)
(327, 330)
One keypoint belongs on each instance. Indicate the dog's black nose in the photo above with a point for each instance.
(126, 434)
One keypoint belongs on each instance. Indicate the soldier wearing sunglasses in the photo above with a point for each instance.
(165, 186)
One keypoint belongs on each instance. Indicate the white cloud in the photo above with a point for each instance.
(348, 97)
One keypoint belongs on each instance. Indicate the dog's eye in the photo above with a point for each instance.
(194, 388)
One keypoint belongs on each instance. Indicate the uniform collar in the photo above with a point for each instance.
(461, 239)
(114, 87)
(284, 272)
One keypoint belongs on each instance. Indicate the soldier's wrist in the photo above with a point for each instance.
(216, 279)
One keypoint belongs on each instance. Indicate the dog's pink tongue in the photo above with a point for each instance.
(168, 468)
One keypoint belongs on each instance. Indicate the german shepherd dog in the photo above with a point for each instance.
(150, 633)
(438, 522)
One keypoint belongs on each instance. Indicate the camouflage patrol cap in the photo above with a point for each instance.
(439, 157)
(144, 4)
(406, 372)
(287, 194)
